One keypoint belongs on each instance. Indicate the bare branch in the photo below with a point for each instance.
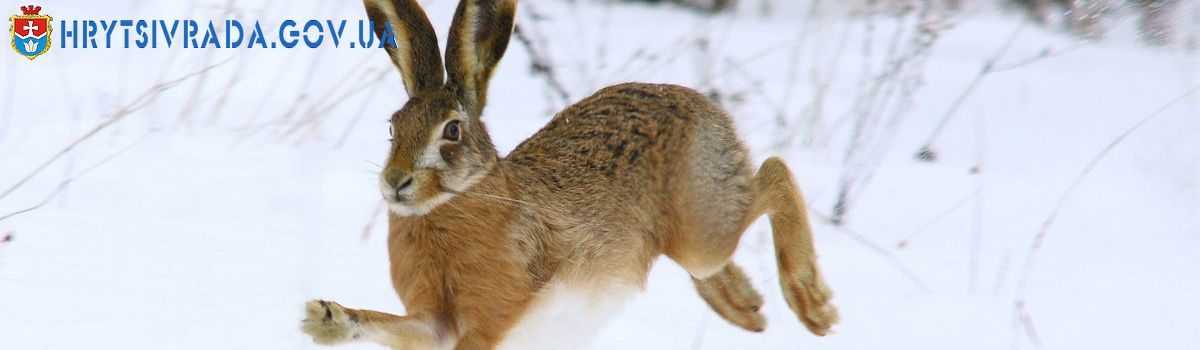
(1044, 230)
(370, 226)
(1041, 55)
(903, 243)
(540, 63)
(63, 185)
(904, 270)
(137, 104)
(926, 152)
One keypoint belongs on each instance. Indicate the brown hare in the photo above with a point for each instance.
(489, 252)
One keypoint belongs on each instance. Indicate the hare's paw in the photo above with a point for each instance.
(736, 309)
(731, 295)
(810, 298)
(328, 323)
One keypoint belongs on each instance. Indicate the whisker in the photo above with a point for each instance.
(377, 165)
(500, 198)
(455, 206)
(464, 212)
(484, 195)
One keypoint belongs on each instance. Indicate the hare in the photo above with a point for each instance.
(489, 252)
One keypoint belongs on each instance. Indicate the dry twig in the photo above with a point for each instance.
(1021, 310)
(63, 185)
(927, 153)
(878, 249)
(138, 103)
(540, 64)
(370, 226)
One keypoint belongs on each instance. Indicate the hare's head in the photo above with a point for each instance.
(440, 146)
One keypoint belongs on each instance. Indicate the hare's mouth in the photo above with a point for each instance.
(416, 203)
(428, 190)
(417, 207)
(407, 209)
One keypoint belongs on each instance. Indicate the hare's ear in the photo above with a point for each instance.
(478, 37)
(415, 49)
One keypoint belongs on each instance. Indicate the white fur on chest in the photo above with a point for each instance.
(566, 316)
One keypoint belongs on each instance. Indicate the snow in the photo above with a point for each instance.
(207, 225)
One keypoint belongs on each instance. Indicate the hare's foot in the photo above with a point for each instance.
(329, 323)
(731, 295)
(803, 288)
(809, 297)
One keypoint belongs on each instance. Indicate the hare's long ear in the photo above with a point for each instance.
(415, 50)
(478, 37)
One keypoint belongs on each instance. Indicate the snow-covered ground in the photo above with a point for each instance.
(205, 218)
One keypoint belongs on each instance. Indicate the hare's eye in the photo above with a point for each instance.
(451, 131)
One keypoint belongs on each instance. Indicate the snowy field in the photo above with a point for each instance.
(202, 214)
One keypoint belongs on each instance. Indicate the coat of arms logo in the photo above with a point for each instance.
(30, 32)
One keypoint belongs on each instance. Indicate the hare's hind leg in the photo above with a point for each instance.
(716, 197)
(731, 295)
(719, 194)
(777, 195)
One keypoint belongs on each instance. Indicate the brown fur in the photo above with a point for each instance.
(613, 181)
(730, 294)
(414, 51)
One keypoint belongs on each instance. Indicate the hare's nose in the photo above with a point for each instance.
(404, 185)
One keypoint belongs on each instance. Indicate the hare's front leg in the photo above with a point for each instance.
(330, 324)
